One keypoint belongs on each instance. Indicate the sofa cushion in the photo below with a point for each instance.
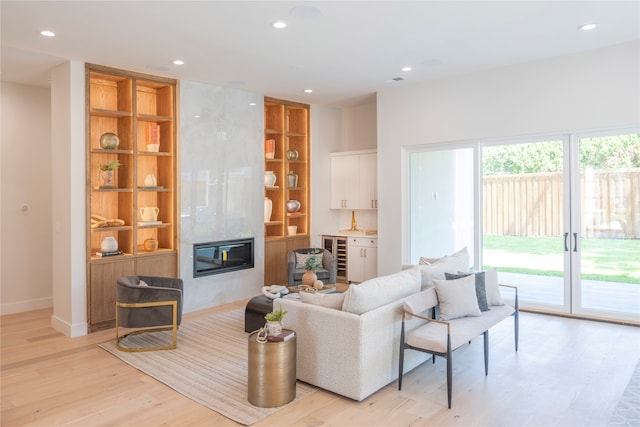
(380, 291)
(334, 300)
(481, 292)
(457, 298)
(452, 263)
(461, 257)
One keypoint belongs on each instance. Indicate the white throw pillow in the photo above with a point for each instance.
(493, 290)
(448, 264)
(334, 300)
(142, 283)
(457, 298)
(460, 258)
(301, 259)
(380, 291)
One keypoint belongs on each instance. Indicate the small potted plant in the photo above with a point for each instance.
(274, 321)
(107, 172)
(311, 265)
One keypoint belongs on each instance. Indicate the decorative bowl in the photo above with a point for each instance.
(109, 141)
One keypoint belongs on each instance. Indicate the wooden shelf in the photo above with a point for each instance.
(127, 104)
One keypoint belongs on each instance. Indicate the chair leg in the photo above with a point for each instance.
(449, 371)
(173, 328)
(401, 357)
(516, 322)
(486, 352)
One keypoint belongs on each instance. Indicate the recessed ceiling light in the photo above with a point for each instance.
(308, 90)
(279, 25)
(197, 116)
(48, 33)
(252, 104)
(178, 62)
(587, 27)
(406, 68)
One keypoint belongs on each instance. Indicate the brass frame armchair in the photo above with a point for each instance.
(153, 308)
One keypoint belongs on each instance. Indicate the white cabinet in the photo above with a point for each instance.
(353, 180)
(362, 258)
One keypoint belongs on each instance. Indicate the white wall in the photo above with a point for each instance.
(25, 262)
(359, 127)
(596, 89)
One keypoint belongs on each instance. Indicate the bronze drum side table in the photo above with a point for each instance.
(272, 372)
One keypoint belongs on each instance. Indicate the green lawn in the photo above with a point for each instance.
(614, 260)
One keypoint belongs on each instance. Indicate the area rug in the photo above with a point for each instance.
(209, 366)
(627, 413)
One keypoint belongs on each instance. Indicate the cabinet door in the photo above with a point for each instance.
(344, 181)
(102, 290)
(355, 271)
(370, 263)
(368, 197)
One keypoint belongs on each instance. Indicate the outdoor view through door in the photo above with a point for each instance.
(561, 219)
(557, 216)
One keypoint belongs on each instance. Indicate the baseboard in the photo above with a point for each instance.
(69, 330)
(29, 305)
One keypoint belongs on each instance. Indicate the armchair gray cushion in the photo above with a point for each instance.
(327, 273)
(129, 290)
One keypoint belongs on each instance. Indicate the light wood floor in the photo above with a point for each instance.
(567, 373)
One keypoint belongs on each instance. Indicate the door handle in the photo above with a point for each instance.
(575, 242)
(566, 248)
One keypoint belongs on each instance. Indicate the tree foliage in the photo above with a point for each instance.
(599, 153)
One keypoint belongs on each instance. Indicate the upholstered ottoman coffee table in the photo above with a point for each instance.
(254, 313)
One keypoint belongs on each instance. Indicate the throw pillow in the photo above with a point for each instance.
(460, 259)
(481, 292)
(380, 291)
(301, 259)
(493, 290)
(142, 283)
(457, 298)
(325, 300)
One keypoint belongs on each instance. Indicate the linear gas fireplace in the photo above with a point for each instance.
(221, 257)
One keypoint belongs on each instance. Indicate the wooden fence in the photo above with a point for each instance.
(532, 204)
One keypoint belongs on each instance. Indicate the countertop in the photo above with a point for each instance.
(359, 232)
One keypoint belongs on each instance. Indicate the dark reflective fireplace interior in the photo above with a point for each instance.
(222, 256)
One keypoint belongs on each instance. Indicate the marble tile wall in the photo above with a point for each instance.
(221, 188)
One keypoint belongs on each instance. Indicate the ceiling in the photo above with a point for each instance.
(344, 51)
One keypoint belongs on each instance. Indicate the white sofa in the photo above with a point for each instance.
(352, 349)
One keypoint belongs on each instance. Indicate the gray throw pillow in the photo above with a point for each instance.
(481, 292)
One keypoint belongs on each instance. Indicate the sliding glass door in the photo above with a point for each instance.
(523, 204)
(561, 220)
(606, 235)
(559, 217)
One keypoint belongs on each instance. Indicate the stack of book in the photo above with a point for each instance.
(285, 335)
(152, 134)
(110, 253)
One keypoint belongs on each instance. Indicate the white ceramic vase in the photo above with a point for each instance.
(268, 206)
(109, 244)
(274, 328)
(269, 179)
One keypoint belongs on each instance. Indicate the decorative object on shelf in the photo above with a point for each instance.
(354, 226)
(269, 148)
(98, 221)
(109, 141)
(292, 154)
(269, 179)
(152, 137)
(150, 180)
(109, 244)
(107, 172)
(150, 245)
(149, 213)
(274, 321)
(268, 206)
(293, 206)
(292, 229)
(292, 180)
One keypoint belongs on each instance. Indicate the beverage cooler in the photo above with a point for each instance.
(337, 245)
